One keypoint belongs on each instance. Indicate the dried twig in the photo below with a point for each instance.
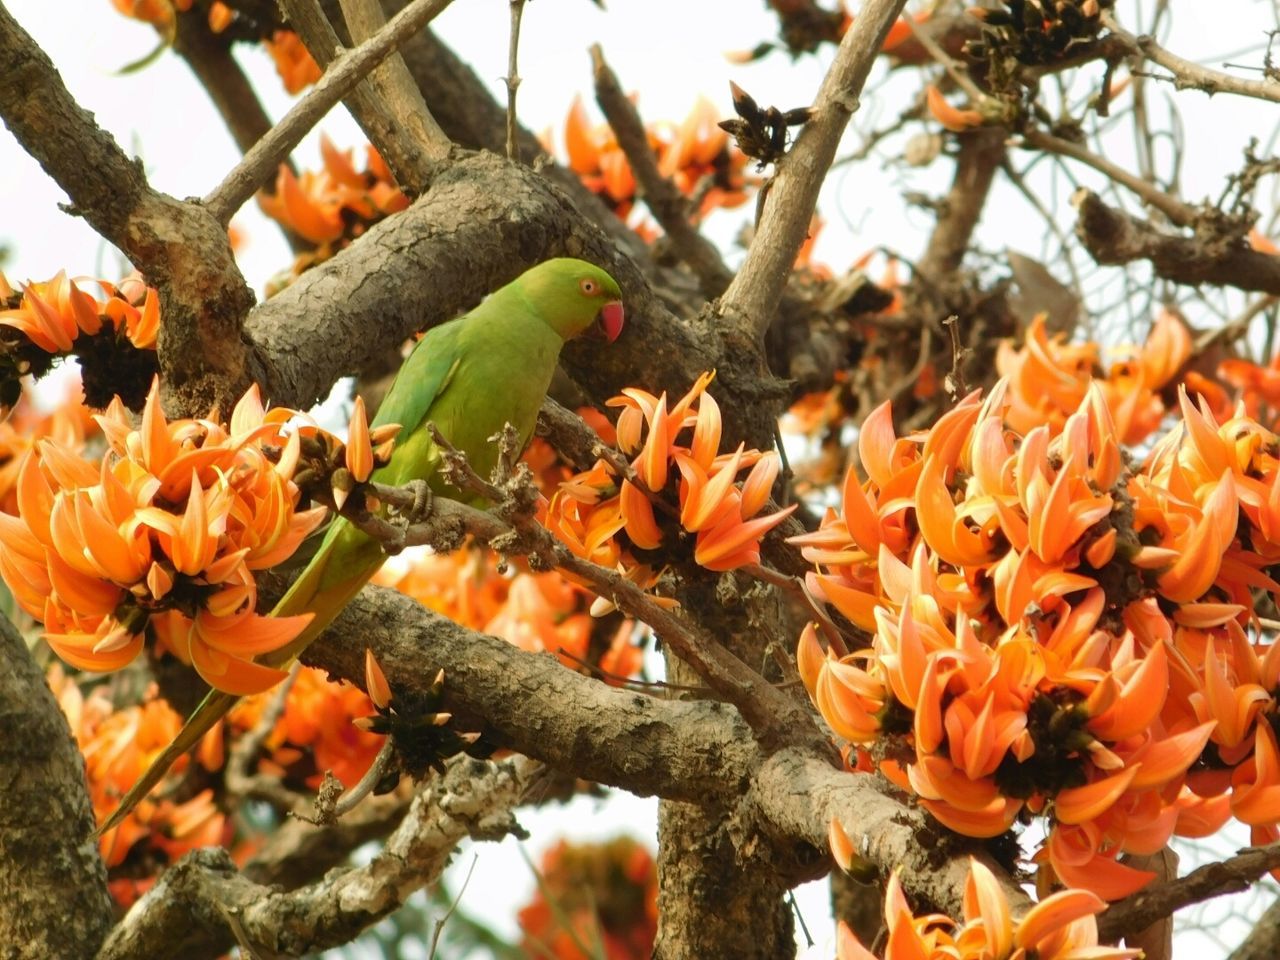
(1179, 213)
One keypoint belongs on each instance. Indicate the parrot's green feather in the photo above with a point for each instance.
(470, 377)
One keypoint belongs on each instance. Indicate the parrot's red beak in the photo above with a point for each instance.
(611, 320)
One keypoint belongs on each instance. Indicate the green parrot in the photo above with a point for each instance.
(470, 377)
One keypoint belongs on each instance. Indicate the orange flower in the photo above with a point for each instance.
(293, 61)
(951, 118)
(315, 732)
(601, 894)
(332, 206)
(696, 156)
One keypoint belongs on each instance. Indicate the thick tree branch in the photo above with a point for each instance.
(1212, 880)
(341, 77)
(204, 896)
(753, 295)
(53, 887)
(696, 751)
(1187, 75)
(660, 195)
(1113, 237)
(178, 246)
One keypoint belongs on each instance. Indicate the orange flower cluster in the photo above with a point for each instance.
(594, 895)
(54, 313)
(315, 731)
(696, 156)
(336, 204)
(117, 746)
(164, 534)
(538, 612)
(592, 508)
(1055, 632)
(1060, 927)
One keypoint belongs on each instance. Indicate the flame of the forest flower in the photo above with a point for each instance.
(695, 155)
(54, 313)
(161, 537)
(117, 746)
(713, 500)
(951, 118)
(1062, 926)
(293, 61)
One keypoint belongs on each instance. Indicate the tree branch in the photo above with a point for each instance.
(1212, 880)
(341, 77)
(980, 155)
(203, 894)
(753, 295)
(1112, 237)
(693, 751)
(1187, 75)
(795, 795)
(482, 223)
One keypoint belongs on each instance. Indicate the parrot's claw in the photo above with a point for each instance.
(423, 501)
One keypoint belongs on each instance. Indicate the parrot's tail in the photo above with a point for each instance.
(345, 562)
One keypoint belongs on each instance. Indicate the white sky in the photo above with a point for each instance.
(670, 50)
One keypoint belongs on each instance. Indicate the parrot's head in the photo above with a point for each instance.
(574, 296)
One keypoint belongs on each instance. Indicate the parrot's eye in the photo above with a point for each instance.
(589, 287)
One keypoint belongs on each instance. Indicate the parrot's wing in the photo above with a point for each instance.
(423, 378)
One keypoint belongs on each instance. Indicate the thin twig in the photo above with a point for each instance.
(439, 927)
(330, 811)
(260, 163)
(1179, 213)
(798, 587)
(954, 70)
(513, 81)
